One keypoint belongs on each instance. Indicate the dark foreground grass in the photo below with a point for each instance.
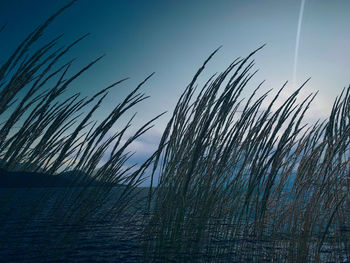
(44, 131)
(254, 184)
(239, 179)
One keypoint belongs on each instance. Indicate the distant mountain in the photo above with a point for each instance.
(22, 166)
(18, 179)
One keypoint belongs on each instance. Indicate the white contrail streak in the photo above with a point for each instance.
(296, 54)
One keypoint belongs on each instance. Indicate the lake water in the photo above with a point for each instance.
(37, 225)
(51, 224)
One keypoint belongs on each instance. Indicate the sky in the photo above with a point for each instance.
(173, 38)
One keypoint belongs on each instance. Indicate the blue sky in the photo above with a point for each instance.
(173, 38)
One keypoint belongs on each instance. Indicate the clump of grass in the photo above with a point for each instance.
(226, 175)
(44, 131)
(239, 179)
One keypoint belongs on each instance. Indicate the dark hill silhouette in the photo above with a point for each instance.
(31, 179)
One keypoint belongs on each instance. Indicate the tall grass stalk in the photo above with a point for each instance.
(252, 184)
(44, 131)
(239, 179)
